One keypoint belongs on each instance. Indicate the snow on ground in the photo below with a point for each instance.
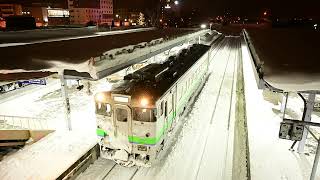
(47, 104)
(269, 155)
(98, 170)
(47, 158)
(201, 148)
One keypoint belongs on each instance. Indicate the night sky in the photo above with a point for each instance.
(284, 8)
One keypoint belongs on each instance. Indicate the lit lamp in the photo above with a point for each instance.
(144, 102)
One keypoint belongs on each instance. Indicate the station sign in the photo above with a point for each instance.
(34, 81)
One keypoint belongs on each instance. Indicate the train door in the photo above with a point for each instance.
(123, 122)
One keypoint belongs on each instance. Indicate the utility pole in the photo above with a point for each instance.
(66, 101)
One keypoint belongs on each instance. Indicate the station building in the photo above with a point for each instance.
(96, 11)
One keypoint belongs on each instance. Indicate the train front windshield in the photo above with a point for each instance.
(144, 114)
(104, 109)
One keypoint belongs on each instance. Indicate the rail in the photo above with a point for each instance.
(18, 122)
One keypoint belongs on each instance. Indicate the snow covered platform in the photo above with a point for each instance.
(270, 157)
(13, 38)
(74, 51)
(48, 158)
(93, 57)
(287, 59)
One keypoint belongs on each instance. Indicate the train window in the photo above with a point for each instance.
(179, 92)
(122, 115)
(165, 109)
(144, 114)
(161, 108)
(108, 110)
(173, 101)
(186, 87)
(99, 105)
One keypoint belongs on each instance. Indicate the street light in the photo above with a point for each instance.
(176, 2)
(203, 26)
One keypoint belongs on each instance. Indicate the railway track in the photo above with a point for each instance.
(103, 169)
(226, 89)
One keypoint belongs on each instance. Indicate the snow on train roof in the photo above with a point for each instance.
(290, 57)
(74, 53)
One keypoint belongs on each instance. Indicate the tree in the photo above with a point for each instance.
(153, 13)
(141, 20)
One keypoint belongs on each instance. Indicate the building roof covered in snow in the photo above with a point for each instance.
(46, 55)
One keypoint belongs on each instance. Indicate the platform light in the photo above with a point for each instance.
(100, 97)
(315, 26)
(203, 26)
(144, 102)
(176, 2)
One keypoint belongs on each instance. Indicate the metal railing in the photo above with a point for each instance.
(17, 122)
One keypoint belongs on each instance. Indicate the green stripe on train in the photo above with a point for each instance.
(101, 132)
(153, 140)
(172, 116)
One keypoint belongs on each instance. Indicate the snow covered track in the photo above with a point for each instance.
(218, 135)
(108, 170)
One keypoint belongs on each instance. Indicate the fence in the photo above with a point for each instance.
(17, 122)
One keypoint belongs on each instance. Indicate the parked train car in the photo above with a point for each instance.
(134, 118)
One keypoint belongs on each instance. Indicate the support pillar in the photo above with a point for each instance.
(284, 103)
(66, 101)
(310, 104)
(315, 164)
(89, 87)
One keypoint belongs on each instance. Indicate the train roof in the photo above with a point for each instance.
(155, 79)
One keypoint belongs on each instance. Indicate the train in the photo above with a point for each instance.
(136, 116)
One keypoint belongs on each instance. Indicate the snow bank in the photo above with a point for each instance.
(270, 157)
(47, 158)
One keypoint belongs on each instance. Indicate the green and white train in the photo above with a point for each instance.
(135, 117)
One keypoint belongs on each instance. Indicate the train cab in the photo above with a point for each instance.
(126, 123)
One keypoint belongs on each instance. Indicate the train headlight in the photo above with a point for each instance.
(144, 102)
(100, 97)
